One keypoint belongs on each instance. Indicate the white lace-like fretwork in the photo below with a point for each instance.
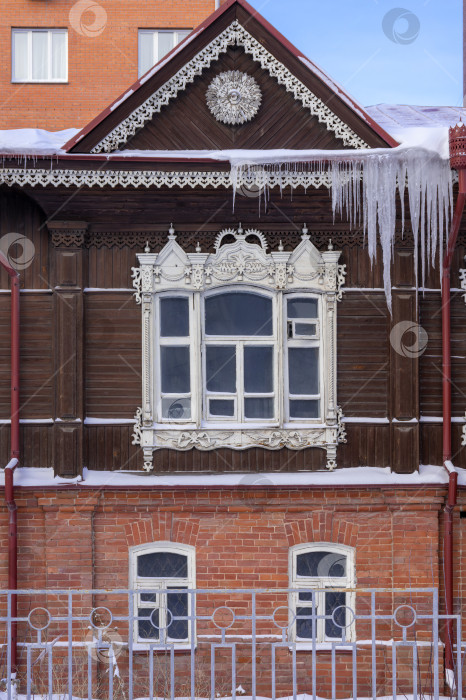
(234, 34)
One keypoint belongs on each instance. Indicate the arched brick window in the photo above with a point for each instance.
(319, 574)
(161, 573)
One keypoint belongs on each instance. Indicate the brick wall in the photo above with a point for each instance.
(100, 66)
(80, 538)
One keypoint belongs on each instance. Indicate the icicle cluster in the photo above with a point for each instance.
(364, 186)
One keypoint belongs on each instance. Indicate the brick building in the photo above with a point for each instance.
(232, 433)
(73, 59)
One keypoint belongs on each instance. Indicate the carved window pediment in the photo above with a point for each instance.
(211, 383)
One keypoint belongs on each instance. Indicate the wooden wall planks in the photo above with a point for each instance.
(112, 375)
(187, 122)
(111, 343)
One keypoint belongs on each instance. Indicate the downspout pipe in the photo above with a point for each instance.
(458, 162)
(14, 455)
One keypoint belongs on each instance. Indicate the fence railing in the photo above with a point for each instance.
(211, 643)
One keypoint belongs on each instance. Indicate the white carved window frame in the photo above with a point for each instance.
(243, 264)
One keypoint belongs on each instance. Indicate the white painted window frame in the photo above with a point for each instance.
(157, 584)
(155, 43)
(247, 266)
(321, 584)
(303, 342)
(29, 31)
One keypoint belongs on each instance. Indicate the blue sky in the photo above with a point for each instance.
(416, 60)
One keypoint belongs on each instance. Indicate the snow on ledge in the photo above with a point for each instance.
(357, 476)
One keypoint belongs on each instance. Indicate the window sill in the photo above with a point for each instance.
(40, 82)
(142, 647)
(320, 647)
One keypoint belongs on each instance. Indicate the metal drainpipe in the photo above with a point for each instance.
(14, 453)
(458, 162)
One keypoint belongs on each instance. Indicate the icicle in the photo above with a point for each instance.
(364, 187)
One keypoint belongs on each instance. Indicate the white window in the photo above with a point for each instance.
(154, 44)
(163, 572)
(321, 606)
(238, 346)
(39, 55)
(242, 347)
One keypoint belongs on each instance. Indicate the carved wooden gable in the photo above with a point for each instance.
(233, 83)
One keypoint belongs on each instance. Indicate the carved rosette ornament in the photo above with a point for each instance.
(240, 257)
(233, 97)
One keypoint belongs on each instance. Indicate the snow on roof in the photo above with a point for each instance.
(410, 124)
(395, 117)
(36, 142)
(356, 476)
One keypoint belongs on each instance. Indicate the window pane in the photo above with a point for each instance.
(39, 55)
(238, 313)
(302, 308)
(258, 408)
(177, 605)
(175, 369)
(334, 600)
(328, 564)
(305, 328)
(166, 42)
(221, 368)
(145, 627)
(222, 407)
(303, 366)
(149, 597)
(258, 369)
(304, 626)
(146, 52)
(174, 317)
(58, 55)
(20, 53)
(176, 409)
(301, 408)
(163, 565)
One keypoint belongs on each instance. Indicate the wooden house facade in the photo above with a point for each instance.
(206, 362)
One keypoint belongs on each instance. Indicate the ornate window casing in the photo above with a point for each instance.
(160, 573)
(321, 610)
(181, 408)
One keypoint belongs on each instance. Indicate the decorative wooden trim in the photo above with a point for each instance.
(235, 34)
(65, 238)
(154, 178)
(188, 240)
(241, 262)
(463, 281)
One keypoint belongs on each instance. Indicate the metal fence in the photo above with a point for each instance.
(212, 643)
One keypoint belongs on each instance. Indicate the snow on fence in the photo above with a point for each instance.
(233, 643)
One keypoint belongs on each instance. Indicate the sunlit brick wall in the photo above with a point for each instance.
(102, 54)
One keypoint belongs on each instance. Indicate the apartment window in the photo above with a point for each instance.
(162, 573)
(322, 607)
(39, 55)
(154, 44)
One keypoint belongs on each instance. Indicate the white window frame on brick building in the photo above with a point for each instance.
(152, 594)
(39, 55)
(299, 290)
(334, 572)
(154, 44)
